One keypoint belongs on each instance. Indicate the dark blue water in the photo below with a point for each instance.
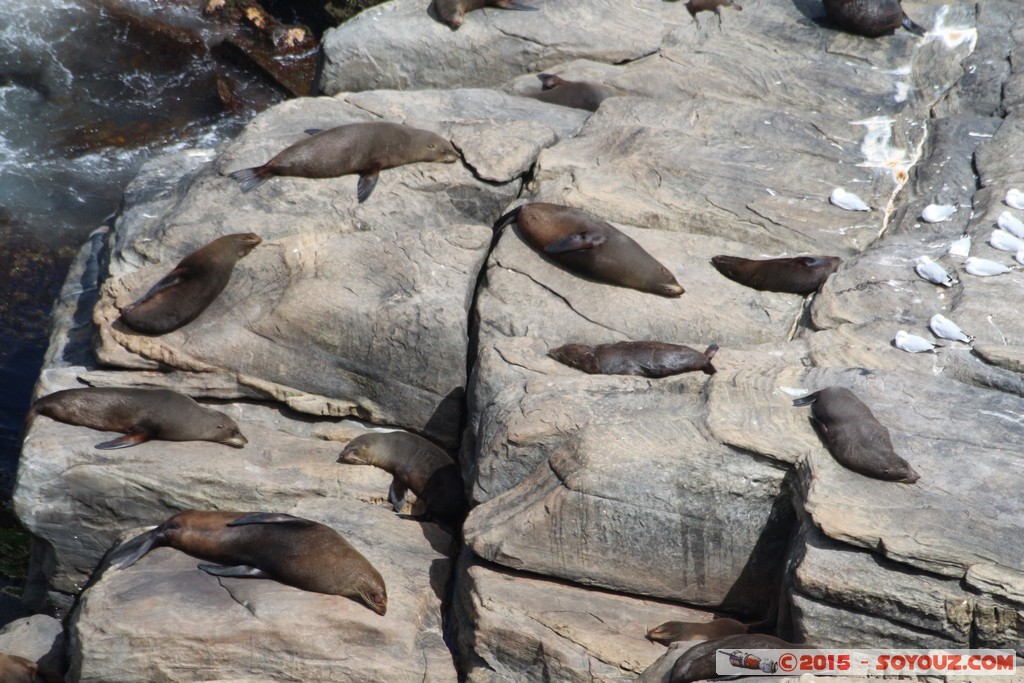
(89, 89)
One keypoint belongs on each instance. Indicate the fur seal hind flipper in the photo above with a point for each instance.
(125, 441)
(132, 550)
(242, 571)
(576, 242)
(510, 217)
(367, 181)
(805, 400)
(251, 178)
(269, 518)
(397, 494)
(314, 131)
(913, 27)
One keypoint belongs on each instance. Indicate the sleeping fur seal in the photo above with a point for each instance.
(871, 18)
(181, 295)
(796, 275)
(453, 12)
(671, 631)
(698, 663)
(266, 545)
(588, 246)
(854, 437)
(643, 358)
(416, 464)
(363, 148)
(140, 414)
(577, 94)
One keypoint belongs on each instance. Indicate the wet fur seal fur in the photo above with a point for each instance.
(453, 12)
(795, 275)
(577, 94)
(417, 465)
(588, 246)
(140, 414)
(184, 293)
(15, 669)
(363, 148)
(854, 437)
(671, 631)
(870, 18)
(694, 6)
(266, 545)
(642, 358)
(698, 662)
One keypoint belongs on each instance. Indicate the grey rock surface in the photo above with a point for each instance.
(39, 638)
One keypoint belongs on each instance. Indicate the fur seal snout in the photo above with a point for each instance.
(796, 275)
(870, 18)
(588, 246)
(453, 12)
(289, 549)
(854, 437)
(181, 295)
(416, 465)
(577, 94)
(363, 148)
(140, 414)
(643, 358)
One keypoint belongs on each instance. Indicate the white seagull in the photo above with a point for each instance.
(1004, 241)
(847, 200)
(944, 328)
(933, 272)
(1015, 198)
(936, 213)
(1010, 223)
(911, 343)
(982, 267)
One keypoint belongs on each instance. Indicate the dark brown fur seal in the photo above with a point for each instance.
(871, 18)
(266, 545)
(140, 414)
(588, 246)
(698, 663)
(577, 94)
(642, 358)
(363, 148)
(453, 12)
(15, 669)
(796, 275)
(854, 437)
(671, 631)
(416, 464)
(694, 6)
(181, 295)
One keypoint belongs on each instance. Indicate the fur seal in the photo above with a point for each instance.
(642, 358)
(181, 295)
(694, 6)
(453, 12)
(588, 246)
(577, 94)
(266, 545)
(671, 631)
(363, 148)
(796, 275)
(140, 414)
(416, 464)
(854, 437)
(870, 18)
(15, 669)
(698, 663)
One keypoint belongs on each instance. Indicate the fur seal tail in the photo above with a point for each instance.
(251, 178)
(914, 28)
(709, 353)
(131, 551)
(510, 217)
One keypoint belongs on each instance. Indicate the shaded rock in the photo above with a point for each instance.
(129, 624)
(39, 638)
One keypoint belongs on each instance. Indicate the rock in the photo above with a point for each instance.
(129, 625)
(39, 638)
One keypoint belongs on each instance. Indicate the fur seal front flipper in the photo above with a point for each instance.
(367, 181)
(126, 441)
(239, 571)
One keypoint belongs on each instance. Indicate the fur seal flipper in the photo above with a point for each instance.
(870, 18)
(362, 148)
(140, 414)
(590, 247)
(795, 275)
(292, 550)
(184, 293)
(453, 12)
(854, 437)
(417, 465)
(913, 27)
(643, 358)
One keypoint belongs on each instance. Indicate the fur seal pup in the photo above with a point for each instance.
(577, 94)
(266, 545)
(671, 631)
(15, 669)
(870, 18)
(181, 295)
(694, 6)
(796, 275)
(698, 663)
(363, 148)
(588, 246)
(416, 464)
(642, 358)
(453, 12)
(140, 414)
(854, 437)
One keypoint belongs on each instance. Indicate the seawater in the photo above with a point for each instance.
(89, 89)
